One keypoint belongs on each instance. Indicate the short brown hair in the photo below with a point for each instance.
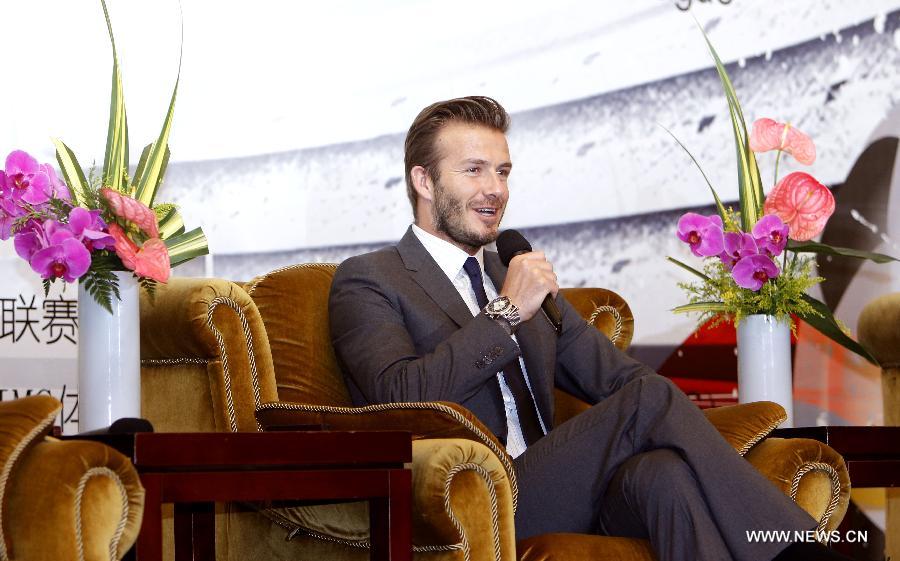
(420, 149)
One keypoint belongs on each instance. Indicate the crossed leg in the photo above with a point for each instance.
(563, 478)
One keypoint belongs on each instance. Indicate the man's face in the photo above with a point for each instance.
(470, 194)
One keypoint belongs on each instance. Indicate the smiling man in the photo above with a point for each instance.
(439, 318)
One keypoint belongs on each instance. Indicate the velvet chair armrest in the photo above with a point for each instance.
(73, 500)
(810, 472)
(438, 419)
(745, 424)
(462, 501)
(205, 357)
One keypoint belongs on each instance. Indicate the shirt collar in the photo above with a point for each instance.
(448, 257)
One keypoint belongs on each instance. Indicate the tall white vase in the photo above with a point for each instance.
(109, 360)
(764, 362)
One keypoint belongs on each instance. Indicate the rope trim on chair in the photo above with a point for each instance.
(79, 495)
(835, 491)
(761, 434)
(7, 470)
(288, 268)
(254, 375)
(495, 518)
(485, 439)
(173, 361)
(617, 331)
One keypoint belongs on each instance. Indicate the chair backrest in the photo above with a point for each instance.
(605, 310)
(293, 304)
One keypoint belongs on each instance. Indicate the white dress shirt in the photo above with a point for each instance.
(451, 259)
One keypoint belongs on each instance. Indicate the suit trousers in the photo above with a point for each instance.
(645, 462)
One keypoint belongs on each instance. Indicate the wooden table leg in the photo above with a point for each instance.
(203, 526)
(400, 508)
(389, 519)
(149, 541)
(379, 529)
(195, 533)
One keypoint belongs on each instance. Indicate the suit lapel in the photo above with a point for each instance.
(425, 271)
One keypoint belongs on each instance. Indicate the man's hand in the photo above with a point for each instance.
(529, 279)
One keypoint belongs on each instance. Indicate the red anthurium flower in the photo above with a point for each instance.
(132, 210)
(802, 203)
(150, 260)
(772, 135)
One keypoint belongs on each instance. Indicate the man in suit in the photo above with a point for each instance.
(438, 317)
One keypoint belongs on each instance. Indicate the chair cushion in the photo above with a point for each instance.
(577, 547)
(21, 423)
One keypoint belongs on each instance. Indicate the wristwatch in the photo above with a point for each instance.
(501, 308)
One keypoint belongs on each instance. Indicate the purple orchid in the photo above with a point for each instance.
(753, 271)
(703, 233)
(737, 246)
(25, 180)
(771, 234)
(29, 240)
(90, 229)
(64, 256)
(58, 189)
(9, 213)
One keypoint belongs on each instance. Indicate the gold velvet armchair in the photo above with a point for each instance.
(224, 356)
(69, 499)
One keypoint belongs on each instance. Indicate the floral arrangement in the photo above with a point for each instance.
(757, 259)
(84, 228)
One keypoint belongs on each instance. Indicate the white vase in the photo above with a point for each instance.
(109, 360)
(764, 362)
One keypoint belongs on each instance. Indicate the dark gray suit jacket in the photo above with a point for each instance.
(402, 332)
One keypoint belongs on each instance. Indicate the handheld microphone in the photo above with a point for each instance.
(511, 243)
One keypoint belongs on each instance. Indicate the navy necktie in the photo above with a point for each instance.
(515, 378)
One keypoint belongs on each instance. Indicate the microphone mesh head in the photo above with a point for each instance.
(511, 243)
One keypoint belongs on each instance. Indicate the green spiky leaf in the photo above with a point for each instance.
(115, 164)
(186, 246)
(723, 214)
(823, 321)
(142, 163)
(171, 224)
(824, 249)
(711, 307)
(71, 170)
(158, 158)
(688, 268)
(749, 184)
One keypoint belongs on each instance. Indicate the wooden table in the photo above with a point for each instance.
(872, 454)
(194, 470)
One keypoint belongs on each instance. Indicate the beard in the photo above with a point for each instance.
(449, 217)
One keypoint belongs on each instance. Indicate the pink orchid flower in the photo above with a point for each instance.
(63, 256)
(768, 135)
(132, 210)
(25, 180)
(58, 189)
(9, 213)
(737, 245)
(802, 203)
(151, 260)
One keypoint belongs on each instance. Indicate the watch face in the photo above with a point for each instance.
(498, 305)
